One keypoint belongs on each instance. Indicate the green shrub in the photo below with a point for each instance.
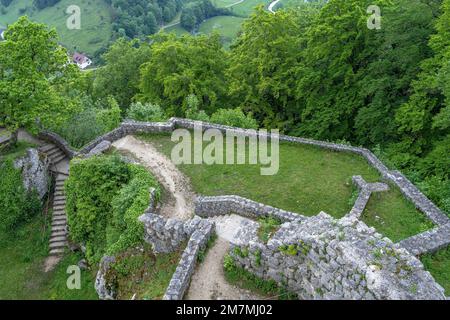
(105, 196)
(234, 118)
(16, 204)
(191, 109)
(146, 112)
(267, 227)
(94, 120)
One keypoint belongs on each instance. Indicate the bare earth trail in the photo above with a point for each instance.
(181, 204)
(208, 281)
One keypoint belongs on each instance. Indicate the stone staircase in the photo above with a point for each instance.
(59, 165)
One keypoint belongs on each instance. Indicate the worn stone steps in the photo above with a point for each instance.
(58, 233)
(58, 159)
(57, 252)
(58, 244)
(58, 238)
(46, 148)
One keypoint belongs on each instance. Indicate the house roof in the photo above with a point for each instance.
(79, 57)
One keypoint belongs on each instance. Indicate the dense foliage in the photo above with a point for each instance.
(316, 71)
(105, 197)
(138, 18)
(194, 13)
(182, 66)
(16, 204)
(33, 68)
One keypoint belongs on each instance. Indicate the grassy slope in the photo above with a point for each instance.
(21, 267)
(227, 26)
(96, 27)
(246, 8)
(310, 180)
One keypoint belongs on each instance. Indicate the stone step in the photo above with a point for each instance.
(59, 219)
(58, 233)
(59, 208)
(57, 252)
(58, 244)
(58, 239)
(59, 203)
(59, 228)
(59, 213)
(58, 159)
(53, 151)
(59, 223)
(47, 147)
(59, 189)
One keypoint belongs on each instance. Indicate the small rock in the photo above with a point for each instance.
(83, 264)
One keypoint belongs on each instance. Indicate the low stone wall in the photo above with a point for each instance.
(428, 241)
(132, 127)
(422, 203)
(182, 277)
(325, 258)
(365, 191)
(222, 205)
(59, 142)
(127, 128)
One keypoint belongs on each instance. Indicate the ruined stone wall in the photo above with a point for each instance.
(325, 258)
(59, 142)
(222, 205)
(168, 235)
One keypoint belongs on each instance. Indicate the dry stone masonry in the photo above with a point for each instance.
(324, 258)
(365, 191)
(222, 205)
(316, 257)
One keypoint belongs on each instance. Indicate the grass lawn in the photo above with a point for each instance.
(246, 8)
(227, 26)
(177, 29)
(223, 3)
(22, 255)
(310, 180)
(96, 22)
(438, 264)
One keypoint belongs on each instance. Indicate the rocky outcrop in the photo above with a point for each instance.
(105, 287)
(34, 172)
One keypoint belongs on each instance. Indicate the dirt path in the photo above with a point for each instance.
(209, 283)
(181, 198)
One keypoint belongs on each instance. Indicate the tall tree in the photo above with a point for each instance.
(120, 76)
(182, 66)
(262, 61)
(33, 66)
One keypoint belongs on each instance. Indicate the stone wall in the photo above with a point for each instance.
(324, 258)
(365, 191)
(59, 142)
(429, 241)
(182, 277)
(222, 205)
